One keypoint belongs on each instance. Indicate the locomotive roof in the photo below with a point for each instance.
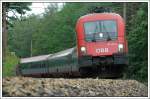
(96, 15)
(34, 59)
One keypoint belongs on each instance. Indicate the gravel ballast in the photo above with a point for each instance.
(26, 86)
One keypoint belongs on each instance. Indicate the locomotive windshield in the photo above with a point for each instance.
(100, 30)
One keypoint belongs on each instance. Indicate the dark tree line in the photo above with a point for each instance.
(138, 43)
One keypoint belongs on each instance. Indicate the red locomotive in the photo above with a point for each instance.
(101, 41)
(101, 50)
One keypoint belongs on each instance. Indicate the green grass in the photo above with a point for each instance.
(9, 65)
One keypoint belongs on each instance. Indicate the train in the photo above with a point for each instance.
(101, 50)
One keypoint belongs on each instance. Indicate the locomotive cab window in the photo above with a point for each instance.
(100, 30)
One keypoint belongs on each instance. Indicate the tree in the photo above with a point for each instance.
(124, 11)
(138, 46)
(4, 29)
(15, 7)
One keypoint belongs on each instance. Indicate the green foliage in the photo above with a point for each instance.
(9, 65)
(16, 7)
(53, 32)
(138, 44)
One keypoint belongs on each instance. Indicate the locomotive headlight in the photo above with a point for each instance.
(120, 47)
(83, 49)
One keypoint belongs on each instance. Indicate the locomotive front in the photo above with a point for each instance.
(101, 43)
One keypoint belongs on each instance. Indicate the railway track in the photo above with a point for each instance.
(26, 86)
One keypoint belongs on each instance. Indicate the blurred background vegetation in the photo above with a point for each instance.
(55, 31)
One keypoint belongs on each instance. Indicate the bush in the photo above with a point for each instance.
(9, 64)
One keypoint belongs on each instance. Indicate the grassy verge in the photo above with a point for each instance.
(9, 65)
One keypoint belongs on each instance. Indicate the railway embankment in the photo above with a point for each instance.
(26, 86)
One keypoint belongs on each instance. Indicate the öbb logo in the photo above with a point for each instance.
(101, 50)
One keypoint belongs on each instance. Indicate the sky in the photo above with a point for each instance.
(36, 8)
